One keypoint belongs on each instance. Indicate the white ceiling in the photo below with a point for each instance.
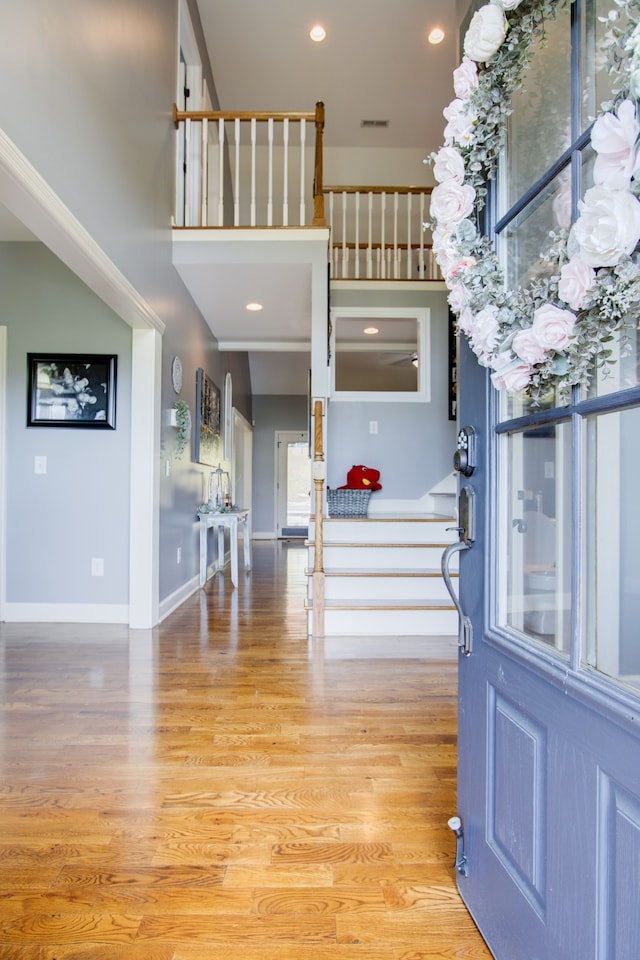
(375, 64)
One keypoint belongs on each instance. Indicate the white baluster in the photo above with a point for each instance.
(395, 236)
(370, 241)
(344, 235)
(383, 210)
(204, 189)
(236, 205)
(422, 267)
(357, 247)
(270, 174)
(221, 172)
(253, 172)
(409, 250)
(187, 173)
(285, 173)
(303, 135)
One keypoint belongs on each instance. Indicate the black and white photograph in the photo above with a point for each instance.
(71, 390)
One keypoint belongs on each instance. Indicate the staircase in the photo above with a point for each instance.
(382, 576)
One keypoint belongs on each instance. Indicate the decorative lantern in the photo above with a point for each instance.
(219, 489)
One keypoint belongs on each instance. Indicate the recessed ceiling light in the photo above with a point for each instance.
(318, 33)
(436, 35)
(371, 331)
(254, 306)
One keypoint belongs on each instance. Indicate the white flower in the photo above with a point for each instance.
(507, 4)
(461, 266)
(458, 297)
(465, 78)
(448, 164)
(486, 33)
(553, 327)
(608, 226)
(485, 331)
(460, 117)
(452, 202)
(614, 140)
(466, 320)
(527, 346)
(511, 373)
(576, 279)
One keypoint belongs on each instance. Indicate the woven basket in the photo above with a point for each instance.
(348, 503)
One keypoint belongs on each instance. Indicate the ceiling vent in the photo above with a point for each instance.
(374, 123)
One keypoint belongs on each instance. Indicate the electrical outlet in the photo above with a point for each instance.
(39, 464)
(97, 567)
(179, 555)
(167, 468)
(373, 426)
(549, 469)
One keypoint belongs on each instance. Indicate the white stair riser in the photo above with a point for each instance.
(384, 558)
(388, 623)
(390, 588)
(382, 531)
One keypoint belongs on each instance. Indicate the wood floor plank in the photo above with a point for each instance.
(220, 788)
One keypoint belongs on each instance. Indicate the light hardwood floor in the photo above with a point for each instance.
(221, 788)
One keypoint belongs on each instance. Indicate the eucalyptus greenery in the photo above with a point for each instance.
(581, 328)
(183, 424)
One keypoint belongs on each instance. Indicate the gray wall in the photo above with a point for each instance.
(79, 509)
(271, 413)
(96, 82)
(414, 446)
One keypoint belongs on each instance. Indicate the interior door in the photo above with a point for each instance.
(549, 748)
(293, 483)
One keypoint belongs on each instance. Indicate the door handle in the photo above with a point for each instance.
(465, 629)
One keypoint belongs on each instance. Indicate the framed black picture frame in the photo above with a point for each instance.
(207, 432)
(71, 390)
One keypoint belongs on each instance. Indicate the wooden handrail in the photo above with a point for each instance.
(378, 189)
(260, 115)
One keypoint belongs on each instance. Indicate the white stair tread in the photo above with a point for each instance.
(379, 572)
(379, 604)
(389, 545)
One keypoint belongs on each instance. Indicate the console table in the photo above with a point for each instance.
(221, 521)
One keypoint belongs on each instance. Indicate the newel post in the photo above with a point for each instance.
(318, 597)
(319, 219)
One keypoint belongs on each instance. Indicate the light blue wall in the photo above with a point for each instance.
(79, 509)
(86, 93)
(271, 413)
(415, 442)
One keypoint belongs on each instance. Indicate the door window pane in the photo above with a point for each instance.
(539, 129)
(298, 484)
(597, 81)
(612, 574)
(535, 538)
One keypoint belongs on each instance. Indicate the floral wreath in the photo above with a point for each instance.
(552, 333)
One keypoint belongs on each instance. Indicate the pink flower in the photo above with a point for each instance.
(466, 320)
(614, 140)
(527, 346)
(465, 78)
(448, 165)
(460, 117)
(576, 279)
(452, 202)
(461, 266)
(510, 374)
(553, 327)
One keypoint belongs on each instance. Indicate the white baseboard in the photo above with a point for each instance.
(66, 613)
(173, 601)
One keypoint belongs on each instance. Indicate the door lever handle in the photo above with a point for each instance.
(465, 631)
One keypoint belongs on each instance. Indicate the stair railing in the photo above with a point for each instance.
(248, 169)
(319, 474)
(377, 233)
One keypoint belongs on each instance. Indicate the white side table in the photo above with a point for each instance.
(230, 521)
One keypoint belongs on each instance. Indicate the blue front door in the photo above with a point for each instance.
(549, 685)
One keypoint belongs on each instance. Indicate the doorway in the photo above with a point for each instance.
(293, 483)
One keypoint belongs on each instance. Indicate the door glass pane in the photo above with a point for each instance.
(298, 484)
(539, 129)
(612, 573)
(597, 81)
(535, 534)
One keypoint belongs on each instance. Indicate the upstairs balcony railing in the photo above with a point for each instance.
(258, 169)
